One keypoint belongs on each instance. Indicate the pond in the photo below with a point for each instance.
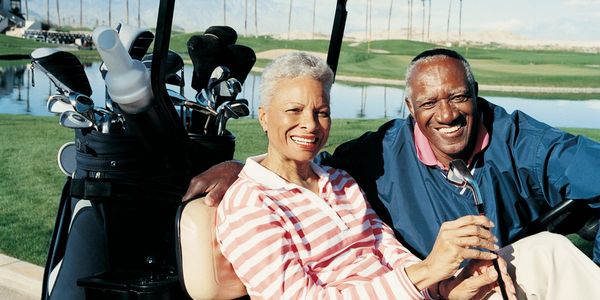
(18, 96)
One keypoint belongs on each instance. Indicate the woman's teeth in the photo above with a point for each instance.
(300, 140)
(449, 129)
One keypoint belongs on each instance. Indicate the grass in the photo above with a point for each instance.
(491, 65)
(31, 182)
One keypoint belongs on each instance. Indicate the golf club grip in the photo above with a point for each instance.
(501, 284)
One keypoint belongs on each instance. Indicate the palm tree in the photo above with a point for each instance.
(429, 20)
(246, 18)
(289, 21)
(80, 13)
(448, 24)
(48, 12)
(390, 18)
(460, 20)
(423, 22)
(109, 13)
(408, 26)
(58, 12)
(225, 12)
(314, 15)
(138, 16)
(127, 11)
(255, 19)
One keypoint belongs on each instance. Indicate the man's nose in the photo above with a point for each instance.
(446, 112)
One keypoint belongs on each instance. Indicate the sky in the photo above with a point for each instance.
(554, 20)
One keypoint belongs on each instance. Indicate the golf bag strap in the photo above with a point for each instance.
(92, 189)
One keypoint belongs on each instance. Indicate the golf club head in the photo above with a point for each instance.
(75, 120)
(240, 107)
(67, 161)
(83, 105)
(62, 68)
(459, 175)
(58, 104)
(218, 75)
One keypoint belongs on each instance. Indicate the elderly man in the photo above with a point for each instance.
(524, 167)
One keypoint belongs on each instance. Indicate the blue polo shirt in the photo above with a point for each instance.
(527, 168)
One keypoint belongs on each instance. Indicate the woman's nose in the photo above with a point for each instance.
(308, 121)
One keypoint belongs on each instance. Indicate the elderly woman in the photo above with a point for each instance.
(296, 230)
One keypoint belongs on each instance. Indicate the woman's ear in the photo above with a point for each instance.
(262, 118)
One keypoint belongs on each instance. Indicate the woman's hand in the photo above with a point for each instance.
(476, 281)
(214, 182)
(457, 241)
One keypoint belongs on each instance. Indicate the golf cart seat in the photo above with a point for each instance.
(203, 271)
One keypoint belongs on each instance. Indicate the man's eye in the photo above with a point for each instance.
(427, 104)
(293, 110)
(460, 98)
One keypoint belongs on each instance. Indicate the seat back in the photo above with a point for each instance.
(203, 271)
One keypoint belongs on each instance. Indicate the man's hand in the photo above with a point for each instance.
(457, 241)
(477, 280)
(214, 182)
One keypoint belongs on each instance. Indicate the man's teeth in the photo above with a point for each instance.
(449, 129)
(303, 140)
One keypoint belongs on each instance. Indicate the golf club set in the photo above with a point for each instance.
(133, 157)
(220, 68)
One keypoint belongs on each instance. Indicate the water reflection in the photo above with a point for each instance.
(17, 96)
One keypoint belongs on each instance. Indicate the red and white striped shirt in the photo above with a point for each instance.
(286, 242)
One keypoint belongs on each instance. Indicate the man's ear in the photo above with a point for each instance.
(409, 105)
(262, 117)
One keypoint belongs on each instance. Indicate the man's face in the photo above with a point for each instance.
(444, 108)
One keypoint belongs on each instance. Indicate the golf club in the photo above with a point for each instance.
(218, 75)
(58, 104)
(83, 105)
(75, 120)
(459, 175)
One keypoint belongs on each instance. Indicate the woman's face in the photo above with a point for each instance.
(296, 119)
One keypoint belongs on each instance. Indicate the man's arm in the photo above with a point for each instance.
(214, 182)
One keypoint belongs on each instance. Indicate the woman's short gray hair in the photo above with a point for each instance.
(293, 65)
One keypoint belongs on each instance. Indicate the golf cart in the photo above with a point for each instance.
(121, 231)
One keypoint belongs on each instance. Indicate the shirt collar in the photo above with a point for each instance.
(426, 155)
(265, 177)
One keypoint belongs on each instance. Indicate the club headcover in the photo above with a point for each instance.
(240, 62)
(225, 34)
(63, 68)
(205, 54)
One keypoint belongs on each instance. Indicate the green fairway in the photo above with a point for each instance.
(388, 59)
(31, 182)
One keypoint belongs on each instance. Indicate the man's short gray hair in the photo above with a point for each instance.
(293, 65)
(433, 55)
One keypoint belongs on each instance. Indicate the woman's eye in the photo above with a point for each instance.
(324, 114)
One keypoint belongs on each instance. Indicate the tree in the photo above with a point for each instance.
(109, 13)
(448, 24)
(80, 13)
(58, 12)
(314, 15)
(460, 20)
(423, 22)
(246, 18)
(429, 20)
(289, 20)
(225, 12)
(48, 12)
(390, 18)
(255, 19)
(26, 10)
(139, 14)
(127, 11)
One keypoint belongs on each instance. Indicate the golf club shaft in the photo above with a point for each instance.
(501, 284)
